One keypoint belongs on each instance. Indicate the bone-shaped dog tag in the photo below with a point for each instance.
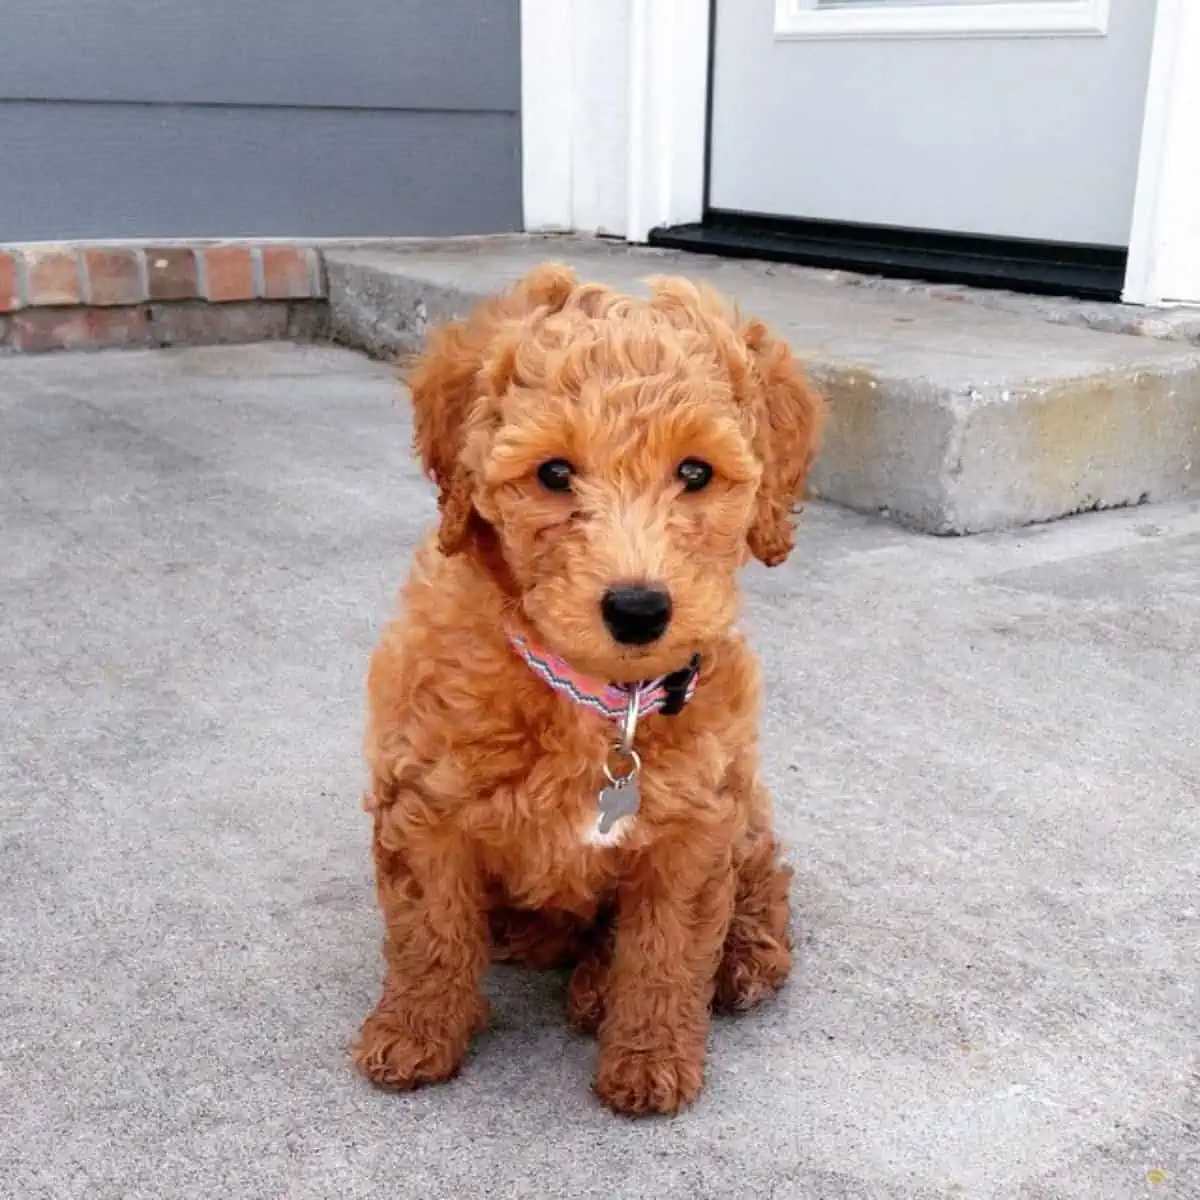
(619, 799)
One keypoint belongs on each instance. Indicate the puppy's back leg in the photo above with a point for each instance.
(757, 958)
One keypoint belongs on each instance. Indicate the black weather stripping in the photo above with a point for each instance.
(1047, 268)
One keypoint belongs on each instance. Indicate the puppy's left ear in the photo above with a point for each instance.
(789, 419)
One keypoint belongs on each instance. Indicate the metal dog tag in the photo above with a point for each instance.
(619, 799)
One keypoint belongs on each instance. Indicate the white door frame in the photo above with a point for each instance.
(615, 111)
(1164, 243)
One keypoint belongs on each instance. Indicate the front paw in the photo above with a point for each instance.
(399, 1053)
(637, 1079)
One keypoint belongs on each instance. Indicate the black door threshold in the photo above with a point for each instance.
(1044, 268)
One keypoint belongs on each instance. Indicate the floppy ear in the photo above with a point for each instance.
(452, 394)
(789, 417)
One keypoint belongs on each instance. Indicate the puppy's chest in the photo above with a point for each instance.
(553, 826)
(571, 805)
(557, 835)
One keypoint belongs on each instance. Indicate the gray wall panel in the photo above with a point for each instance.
(106, 171)
(452, 54)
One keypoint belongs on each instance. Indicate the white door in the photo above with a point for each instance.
(1010, 118)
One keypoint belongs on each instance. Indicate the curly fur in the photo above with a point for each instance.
(483, 781)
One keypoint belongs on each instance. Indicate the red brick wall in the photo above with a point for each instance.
(94, 296)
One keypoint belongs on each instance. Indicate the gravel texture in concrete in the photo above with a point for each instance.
(984, 754)
(949, 418)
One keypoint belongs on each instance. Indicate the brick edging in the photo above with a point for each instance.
(85, 295)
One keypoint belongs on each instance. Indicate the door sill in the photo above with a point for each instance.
(1014, 264)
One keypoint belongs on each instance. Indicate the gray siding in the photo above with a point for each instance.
(220, 118)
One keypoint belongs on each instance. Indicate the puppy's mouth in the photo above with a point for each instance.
(616, 663)
(636, 664)
(631, 665)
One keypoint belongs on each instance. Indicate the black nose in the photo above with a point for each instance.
(636, 616)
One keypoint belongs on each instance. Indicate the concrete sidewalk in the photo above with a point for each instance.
(985, 756)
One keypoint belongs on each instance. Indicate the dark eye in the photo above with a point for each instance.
(555, 475)
(694, 474)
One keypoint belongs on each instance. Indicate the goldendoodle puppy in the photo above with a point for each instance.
(563, 719)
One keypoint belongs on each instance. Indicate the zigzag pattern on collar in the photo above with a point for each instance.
(608, 699)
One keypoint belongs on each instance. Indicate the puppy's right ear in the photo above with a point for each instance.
(452, 395)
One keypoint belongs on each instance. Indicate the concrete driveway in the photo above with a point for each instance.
(986, 756)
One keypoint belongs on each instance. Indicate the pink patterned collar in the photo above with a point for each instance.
(667, 694)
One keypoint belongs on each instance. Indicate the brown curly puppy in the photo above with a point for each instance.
(605, 466)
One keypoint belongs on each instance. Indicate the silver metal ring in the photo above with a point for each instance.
(629, 723)
(635, 766)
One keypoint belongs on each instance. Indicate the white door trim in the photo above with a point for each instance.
(614, 116)
(804, 19)
(668, 113)
(547, 114)
(1164, 246)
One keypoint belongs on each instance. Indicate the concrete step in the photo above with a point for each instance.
(949, 418)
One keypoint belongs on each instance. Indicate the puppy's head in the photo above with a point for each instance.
(612, 461)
